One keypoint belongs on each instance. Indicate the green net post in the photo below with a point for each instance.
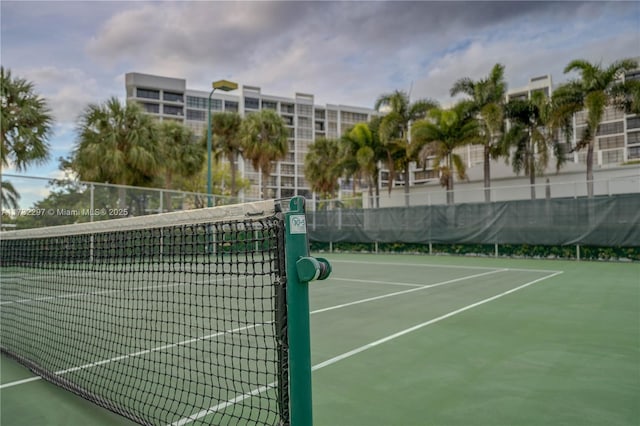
(301, 268)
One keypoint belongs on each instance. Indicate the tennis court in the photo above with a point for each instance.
(429, 340)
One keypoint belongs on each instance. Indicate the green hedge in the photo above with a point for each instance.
(506, 250)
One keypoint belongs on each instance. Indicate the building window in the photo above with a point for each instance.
(151, 108)
(426, 174)
(613, 156)
(632, 75)
(202, 103)
(304, 133)
(173, 97)
(287, 108)
(287, 182)
(231, 106)
(610, 128)
(196, 115)
(633, 123)
(269, 105)
(304, 109)
(288, 120)
(633, 138)
(611, 142)
(304, 122)
(612, 113)
(147, 94)
(319, 114)
(172, 110)
(287, 192)
(252, 103)
(352, 117)
(634, 152)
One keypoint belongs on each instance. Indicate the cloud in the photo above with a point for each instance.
(67, 91)
(528, 51)
(330, 48)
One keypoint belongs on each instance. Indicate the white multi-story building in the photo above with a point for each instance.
(169, 99)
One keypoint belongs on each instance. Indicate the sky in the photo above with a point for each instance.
(77, 52)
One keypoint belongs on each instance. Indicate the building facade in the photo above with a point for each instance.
(168, 98)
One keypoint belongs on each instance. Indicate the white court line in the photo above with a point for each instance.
(115, 290)
(429, 265)
(223, 405)
(356, 351)
(185, 342)
(376, 282)
(411, 290)
(134, 354)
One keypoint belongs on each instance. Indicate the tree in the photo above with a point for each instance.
(116, 144)
(437, 137)
(626, 96)
(225, 128)
(25, 126)
(322, 167)
(596, 89)
(221, 184)
(264, 140)
(180, 154)
(361, 154)
(394, 131)
(487, 100)
(533, 132)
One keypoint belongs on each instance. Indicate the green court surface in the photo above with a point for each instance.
(439, 340)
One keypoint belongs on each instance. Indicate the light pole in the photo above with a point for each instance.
(225, 86)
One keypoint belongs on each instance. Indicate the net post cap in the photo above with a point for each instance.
(310, 269)
(296, 204)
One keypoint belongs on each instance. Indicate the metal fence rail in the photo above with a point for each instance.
(48, 201)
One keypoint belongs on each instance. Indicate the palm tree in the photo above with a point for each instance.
(626, 96)
(264, 140)
(25, 126)
(487, 100)
(596, 89)
(226, 139)
(322, 167)
(437, 137)
(117, 144)
(534, 126)
(394, 131)
(180, 154)
(361, 154)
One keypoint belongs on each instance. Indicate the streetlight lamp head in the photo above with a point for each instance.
(224, 85)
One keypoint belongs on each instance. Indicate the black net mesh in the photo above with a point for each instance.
(167, 325)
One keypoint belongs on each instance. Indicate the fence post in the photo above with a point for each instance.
(91, 202)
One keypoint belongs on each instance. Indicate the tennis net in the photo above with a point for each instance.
(170, 319)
